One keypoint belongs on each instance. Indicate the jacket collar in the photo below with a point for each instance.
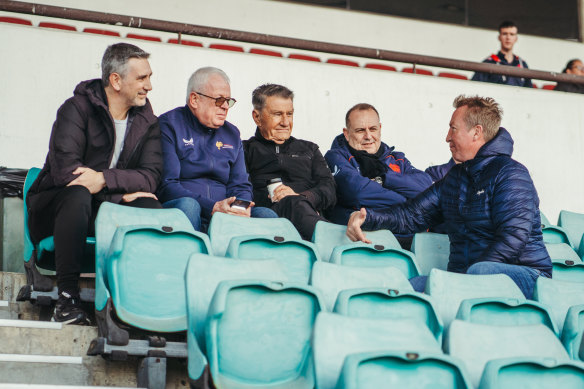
(500, 145)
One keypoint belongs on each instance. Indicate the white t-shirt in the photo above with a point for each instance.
(120, 135)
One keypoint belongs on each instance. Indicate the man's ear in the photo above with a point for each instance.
(479, 132)
(255, 114)
(346, 133)
(115, 81)
(193, 103)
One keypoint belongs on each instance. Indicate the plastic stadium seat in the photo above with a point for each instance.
(379, 66)
(476, 344)
(327, 236)
(567, 265)
(554, 234)
(266, 52)
(559, 296)
(185, 42)
(331, 278)
(548, 86)
(144, 37)
(364, 255)
(382, 303)
(532, 373)
(298, 256)
(304, 57)
(224, 227)
(573, 223)
(9, 19)
(220, 46)
(342, 62)
(449, 289)
(505, 312)
(336, 336)
(573, 332)
(418, 71)
(258, 335)
(57, 26)
(403, 370)
(101, 32)
(432, 251)
(453, 75)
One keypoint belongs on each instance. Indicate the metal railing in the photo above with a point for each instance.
(273, 40)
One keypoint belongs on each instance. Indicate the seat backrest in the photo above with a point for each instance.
(331, 278)
(555, 235)
(448, 289)
(282, 315)
(562, 253)
(476, 344)
(224, 227)
(337, 336)
(382, 303)
(573, 223)
(403, 370)
(327, 236)
(558, 296)
(32, 175)
(573, 332)
(432, 251)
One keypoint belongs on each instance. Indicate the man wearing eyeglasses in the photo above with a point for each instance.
(204, 168)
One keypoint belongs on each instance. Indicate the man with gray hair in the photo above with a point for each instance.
(204, 169)
(104, 146)
(487, 202)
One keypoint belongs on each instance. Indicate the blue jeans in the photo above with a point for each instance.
(192, 209)
(524, 276)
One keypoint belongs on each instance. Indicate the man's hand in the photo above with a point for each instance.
(89, 178)
(282, 191)
(224, 206)
(354, 231)
(129, 197)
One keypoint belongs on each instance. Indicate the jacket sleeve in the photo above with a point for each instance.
(323, 195)
(354, 190)
(513, 207)
(413, 216)
(409, 183)
(437, 172)
(484, 77)
(238, 184)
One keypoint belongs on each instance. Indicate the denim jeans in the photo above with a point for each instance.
(524, 276)
(192, 209)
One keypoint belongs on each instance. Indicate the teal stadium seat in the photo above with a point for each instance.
(449, 289)
(224, 227)
(327, 236)
(554, 234)
(505, 312)
(558, 296)
(375, 370)
(336, 336)
(567, 265)
(42, 254)
(381, 303)
(573, 332)
(573, 224)
(258, 335)
(432, 251)
(476, 344)
(331, 278)
(362, 254)
(532, 373)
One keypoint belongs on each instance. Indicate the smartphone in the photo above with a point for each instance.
(241, 204)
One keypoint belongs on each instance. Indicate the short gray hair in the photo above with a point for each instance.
(200, 78)
(115, 60)
(262, 92)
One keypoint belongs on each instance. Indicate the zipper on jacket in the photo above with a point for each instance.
(277, 149)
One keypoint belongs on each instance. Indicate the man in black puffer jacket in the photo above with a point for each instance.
(488, 203)
(307, 187)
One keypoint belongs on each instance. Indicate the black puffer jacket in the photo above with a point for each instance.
(297, 162)
(84, 135)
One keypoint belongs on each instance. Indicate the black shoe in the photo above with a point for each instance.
(68, 310)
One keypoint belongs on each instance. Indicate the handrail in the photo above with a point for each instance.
(273, 40)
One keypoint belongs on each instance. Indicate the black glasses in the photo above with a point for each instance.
(219, 101)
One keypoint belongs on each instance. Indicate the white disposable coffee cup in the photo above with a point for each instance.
(272, 185)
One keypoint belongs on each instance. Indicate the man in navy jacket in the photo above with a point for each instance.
(204, 167)
(488, 203)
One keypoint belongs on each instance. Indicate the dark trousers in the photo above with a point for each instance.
(300, 212)
(70, 217)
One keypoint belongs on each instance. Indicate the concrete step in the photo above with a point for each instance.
(41, 386)
(43, 369)
(6, 312)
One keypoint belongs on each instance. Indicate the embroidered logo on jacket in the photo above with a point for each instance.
(221, 145)
(480, 192)
(188, 142)
(394, 167)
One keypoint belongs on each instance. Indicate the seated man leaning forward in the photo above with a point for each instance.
(204, 168)
(303, 184)
(368, 172)
(488, 203)
(105, 146)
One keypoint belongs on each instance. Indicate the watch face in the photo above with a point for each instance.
(378, 180)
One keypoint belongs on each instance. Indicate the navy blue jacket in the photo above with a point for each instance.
(499, 59)
(402, 181)
(199, 162)
(437, 172)
(489, 206)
